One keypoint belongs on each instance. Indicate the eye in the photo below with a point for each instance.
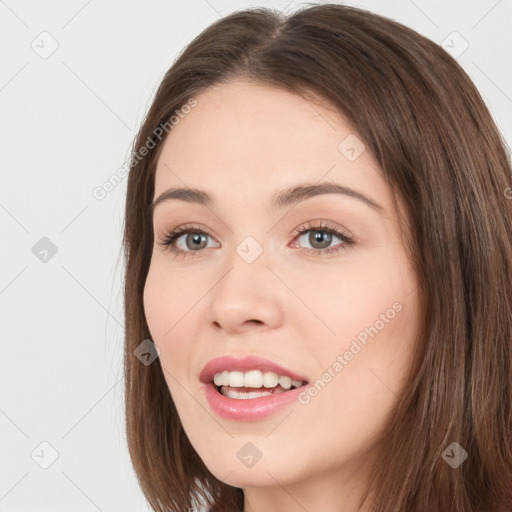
(321, 237)
(193, 239)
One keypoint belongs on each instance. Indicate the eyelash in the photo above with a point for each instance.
(168, 240)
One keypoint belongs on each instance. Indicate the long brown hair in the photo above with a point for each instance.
(439, 149)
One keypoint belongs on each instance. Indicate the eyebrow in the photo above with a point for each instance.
(290, 196)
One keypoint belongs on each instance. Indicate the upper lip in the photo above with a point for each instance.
(244, 364)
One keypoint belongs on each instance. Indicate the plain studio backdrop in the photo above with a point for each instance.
(75, 82)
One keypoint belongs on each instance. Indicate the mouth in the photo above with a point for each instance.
(249, 388)
(253, 384)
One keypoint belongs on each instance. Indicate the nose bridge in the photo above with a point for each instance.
(250, 249)
(246, 291)
(247, 272)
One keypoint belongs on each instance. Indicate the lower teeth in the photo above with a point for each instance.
(238, 394)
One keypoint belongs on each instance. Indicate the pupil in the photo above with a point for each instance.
(196, 237)
(319, 236)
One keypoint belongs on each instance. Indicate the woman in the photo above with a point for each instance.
(318, 254)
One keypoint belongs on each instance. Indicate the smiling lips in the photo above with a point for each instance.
(233, 387)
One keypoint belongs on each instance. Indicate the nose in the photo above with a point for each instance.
(247, 296)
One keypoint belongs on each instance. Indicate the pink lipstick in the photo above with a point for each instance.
(244, 407)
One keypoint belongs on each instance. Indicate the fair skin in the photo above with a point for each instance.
(241, 144)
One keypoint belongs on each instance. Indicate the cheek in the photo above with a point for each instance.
(372, 313)
(155, 298)
(364, 290)
(354, 396)
(170, 305)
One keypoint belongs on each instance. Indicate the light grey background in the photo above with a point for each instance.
(67, 121)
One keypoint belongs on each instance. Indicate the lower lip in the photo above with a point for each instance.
(249, 409)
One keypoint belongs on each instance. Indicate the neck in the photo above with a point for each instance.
(331, 491)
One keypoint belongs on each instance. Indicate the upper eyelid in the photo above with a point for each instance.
(304, 227)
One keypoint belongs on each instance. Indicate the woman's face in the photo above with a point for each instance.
(340, 315)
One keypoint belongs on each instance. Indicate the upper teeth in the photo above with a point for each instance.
(254, 379)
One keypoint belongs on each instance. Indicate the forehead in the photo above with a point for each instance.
(250, 137)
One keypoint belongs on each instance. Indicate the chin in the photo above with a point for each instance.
(230, 467)
(257, 476)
